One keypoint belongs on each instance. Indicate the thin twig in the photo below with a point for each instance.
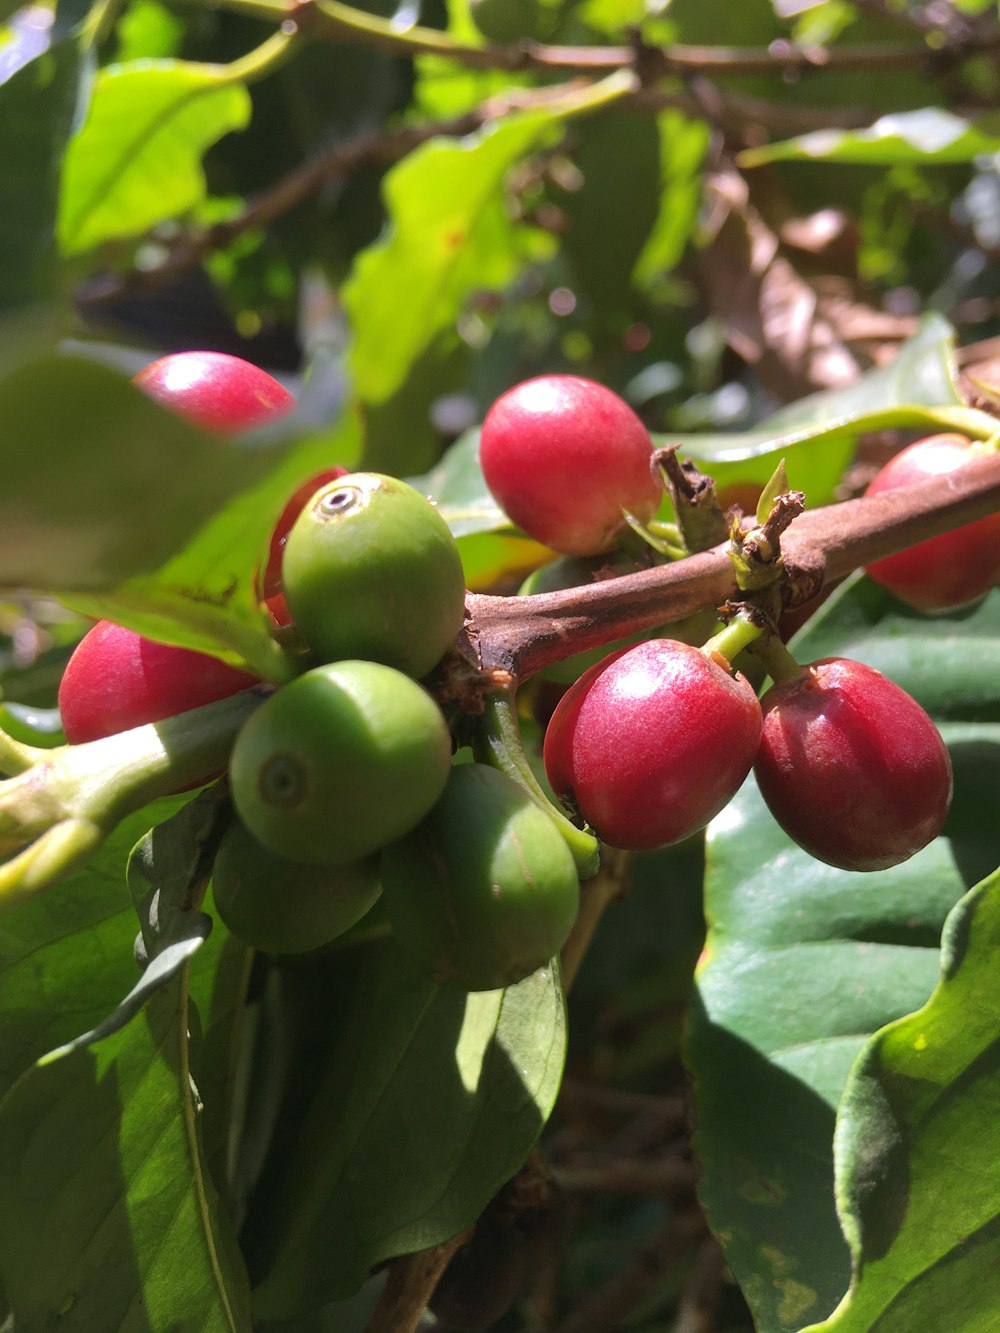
(410, 1285)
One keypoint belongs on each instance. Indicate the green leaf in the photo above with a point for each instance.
(931, 135)
(101, 1173)
(683, 143)
(428, 1101)
(448, 235)
(36, 115)
(136, 159)
(66, 956)
(917, 1148)
(119, 506)
(458, 488)
(804, 962)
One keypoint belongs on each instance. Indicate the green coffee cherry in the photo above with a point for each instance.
(339, 762)
(484, 891)
(282, 906)
(372, 571)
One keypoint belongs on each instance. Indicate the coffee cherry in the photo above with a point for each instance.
(371, 570)
(954, 568)
(851, 766)
(651, 743)
(282, 906)
(564, 458)
(339, 762)
(116, 680)
(270, 585)
(221, 393)
(484, 891)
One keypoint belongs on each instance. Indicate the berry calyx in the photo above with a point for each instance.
(219, 392)
(339, 762)
(282, 906)
(484, 891)
(651, 743)
(851, 766)
(566, 458)
(955, 567)
(116, 679)
(372, 571)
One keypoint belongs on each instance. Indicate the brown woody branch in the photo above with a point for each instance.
(522, 635)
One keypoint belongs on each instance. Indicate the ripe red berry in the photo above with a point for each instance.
(116, 680)
(270, 585)
(652, 742)
(564, 457)
(222, 393)
(851, 766)
(954, 568)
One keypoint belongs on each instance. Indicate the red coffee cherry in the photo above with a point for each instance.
(221, 393)
(270, 586)
(564, 457)
(851, 766)
(944, 571)
(116, 680)
(651, 743)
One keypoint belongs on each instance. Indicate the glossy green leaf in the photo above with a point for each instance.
(459, 490)
(166, 534)
(804, 962)
(916, 1148)
(36, 116)
(429, 1099)
(136, 158)
(448, 235)
(932, 135)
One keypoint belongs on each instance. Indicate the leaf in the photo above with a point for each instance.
(448, 234)
(36, 115)
(166, 534)
(107, 1217)
(458, 488)
(429, 1099)
(66, 956)
(683, 144)
(804, 962)
(916, 1148)
(932, 135)
(136, 159)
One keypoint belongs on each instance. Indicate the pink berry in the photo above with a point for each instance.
(851, 766)
(564, 458)
(954, 568)
(651, 743)
(222, 393)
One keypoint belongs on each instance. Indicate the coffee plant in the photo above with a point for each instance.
(499, 666)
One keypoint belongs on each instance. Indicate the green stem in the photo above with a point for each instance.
(781, 666)
(740, 633)
(15, 756)
(263, 59)
(497, 742)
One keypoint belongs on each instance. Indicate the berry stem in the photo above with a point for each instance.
(740, 633)
(15, 756)
(780, 664)
(497, 742)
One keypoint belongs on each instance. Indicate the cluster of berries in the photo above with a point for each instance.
(652, 741)
(342, 780)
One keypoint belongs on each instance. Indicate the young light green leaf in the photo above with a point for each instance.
(803, 962)
(428, 1101)
(136, 158)
(448, 234)
(931, 135)
(916, 1148)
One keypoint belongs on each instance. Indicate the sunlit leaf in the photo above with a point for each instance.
(137, 157)
(931, 135)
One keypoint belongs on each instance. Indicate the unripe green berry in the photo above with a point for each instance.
(485, 890)
(282, 906)
(372, 571)
(339, 762)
